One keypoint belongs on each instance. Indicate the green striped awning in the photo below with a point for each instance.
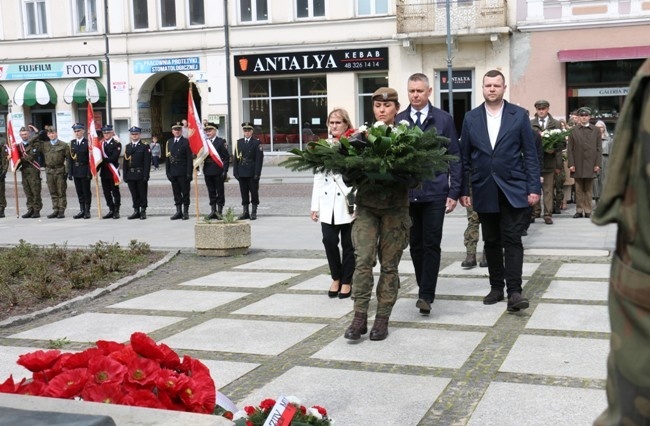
(84, 89)
(4, 98)
(35, 92)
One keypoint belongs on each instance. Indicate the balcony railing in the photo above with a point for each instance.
(466, 16)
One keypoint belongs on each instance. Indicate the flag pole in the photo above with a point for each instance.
(196, 193)
(16, 194)
(99, 201)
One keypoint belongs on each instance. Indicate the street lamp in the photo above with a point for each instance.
(450, 84)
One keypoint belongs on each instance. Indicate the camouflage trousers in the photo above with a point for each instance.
(57, 185)
(3, 198)
(559, 190)
(472, 231)
(32, 187)
(383, 233)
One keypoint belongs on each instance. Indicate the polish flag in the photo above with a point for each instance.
(95, 156)
(14, 154)
(198, 143)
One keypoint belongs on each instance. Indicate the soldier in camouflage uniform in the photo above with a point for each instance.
(625, 201)
(470, 239)
(4, 166)
(56, 153)
(31, 157)
(381, 229)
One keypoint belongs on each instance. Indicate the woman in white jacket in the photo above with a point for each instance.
(329, 203)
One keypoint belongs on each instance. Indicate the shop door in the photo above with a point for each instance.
(40, 119)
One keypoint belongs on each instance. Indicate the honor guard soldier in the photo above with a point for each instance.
(4, 166)
(56, 153)
(179, 168)
(111, 150)
(215, 176)
(247, 168)
(31, 157)
(79, 170)
(137, 164)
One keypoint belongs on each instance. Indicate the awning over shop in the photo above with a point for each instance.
(35, 92)
(605, 54)
(4, 97)
(84, 89)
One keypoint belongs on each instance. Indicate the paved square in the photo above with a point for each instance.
(455, 269)
(478, 287)
(241, 279)
(584, 270)
(301, 305)
(558, 356)
(357, 397)
(284, 264)
(551, 316)
(318, 283)
(180, 300)
(577, 290)
(514, 404)
(225, 372)
(242, 336)
(456, 312)
(90, 327)
(434, 348)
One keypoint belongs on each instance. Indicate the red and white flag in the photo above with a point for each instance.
(14, 154)
(95, 156)
(198, 143)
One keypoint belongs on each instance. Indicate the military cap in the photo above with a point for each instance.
(385, 94)
(247, 125)
(542, 103)
(135, 129)
(211, 125)
(177, 125)
(107, 128)
(584, 111)
(78, 126)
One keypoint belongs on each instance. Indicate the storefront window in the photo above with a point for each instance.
(286, 112)
(368, 83)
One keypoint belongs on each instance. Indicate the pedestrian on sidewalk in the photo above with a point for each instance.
(331, 204)
(79, 170)
(137, 165)
(585, 159)
(111, 150)
(247, 169)
(504, 177)
(214, 175)
(179, 168)
(433, 198)
(55, 152)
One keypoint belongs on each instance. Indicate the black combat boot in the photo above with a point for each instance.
(116, 212)
(213, 212)
(87, 211)
(143, 213)
(53, 215)
(178, 214)
(81, 212)
(186, 212)
(220, 212)
(358, 327)
(483, 263)
(254, 212)
(135, 214)
(245, 214)
(2, 212)
(110, 214)
(61, 214)
(470, 261)
(379, 328)
(28, 214)
(36, 214)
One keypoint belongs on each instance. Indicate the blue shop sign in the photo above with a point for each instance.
(150, 66)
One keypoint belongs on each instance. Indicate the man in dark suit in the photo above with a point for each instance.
(79, 170)
(498, 150)
(247, 168)
(137, 164)
(179, 168)
(215, 176)
(429, 202)
(111, 150)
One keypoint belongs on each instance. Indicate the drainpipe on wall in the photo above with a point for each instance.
(108, 65)
(450, 83)
(226, 30)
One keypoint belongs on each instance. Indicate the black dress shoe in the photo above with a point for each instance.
(332, 294)
(423, 306)
(517, 302)
(556, 211)
(577, 215)
(495, 295)
(587, 215)
(345, 295)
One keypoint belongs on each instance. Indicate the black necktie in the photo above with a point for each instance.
(418, 121)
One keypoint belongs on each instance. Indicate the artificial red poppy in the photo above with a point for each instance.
(142, 371)
(67, 384)
(171, 382)
(145, 346)
(142, 398)
(170, 358)
(126, 355)
(107, 393)
(38, 360)
(172, 402)
(104, 369)
(9, 386)
(199, 394)
(108, 347)
(34, 387)
(192, 366)
(80, 359)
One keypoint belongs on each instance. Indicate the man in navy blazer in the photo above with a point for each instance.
(433, 198)
(499, 154)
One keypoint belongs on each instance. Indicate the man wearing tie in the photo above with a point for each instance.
(111, 150)
(179, 168)
(247, 169)
(552, 162)
(79, 170)
(430, 201)
(137, 164)
(214, 175)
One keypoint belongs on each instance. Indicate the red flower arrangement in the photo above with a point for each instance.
(289, 408)
(141, 373)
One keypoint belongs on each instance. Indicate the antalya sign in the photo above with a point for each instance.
(50, 70)
(371, 59)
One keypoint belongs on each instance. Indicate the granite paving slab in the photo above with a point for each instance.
(456, 312)
(180, 300)
(577, 290)
(284, 264)
(455, 269)
(90, 327)
(302, 305)
(225, 372)
(478, 287)
(515, 404)
(434, 348)
(552, 316)
(584, 270)
(242, 336)
(240, 279)
(357, 397)
(318, 283)
(558, 356)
